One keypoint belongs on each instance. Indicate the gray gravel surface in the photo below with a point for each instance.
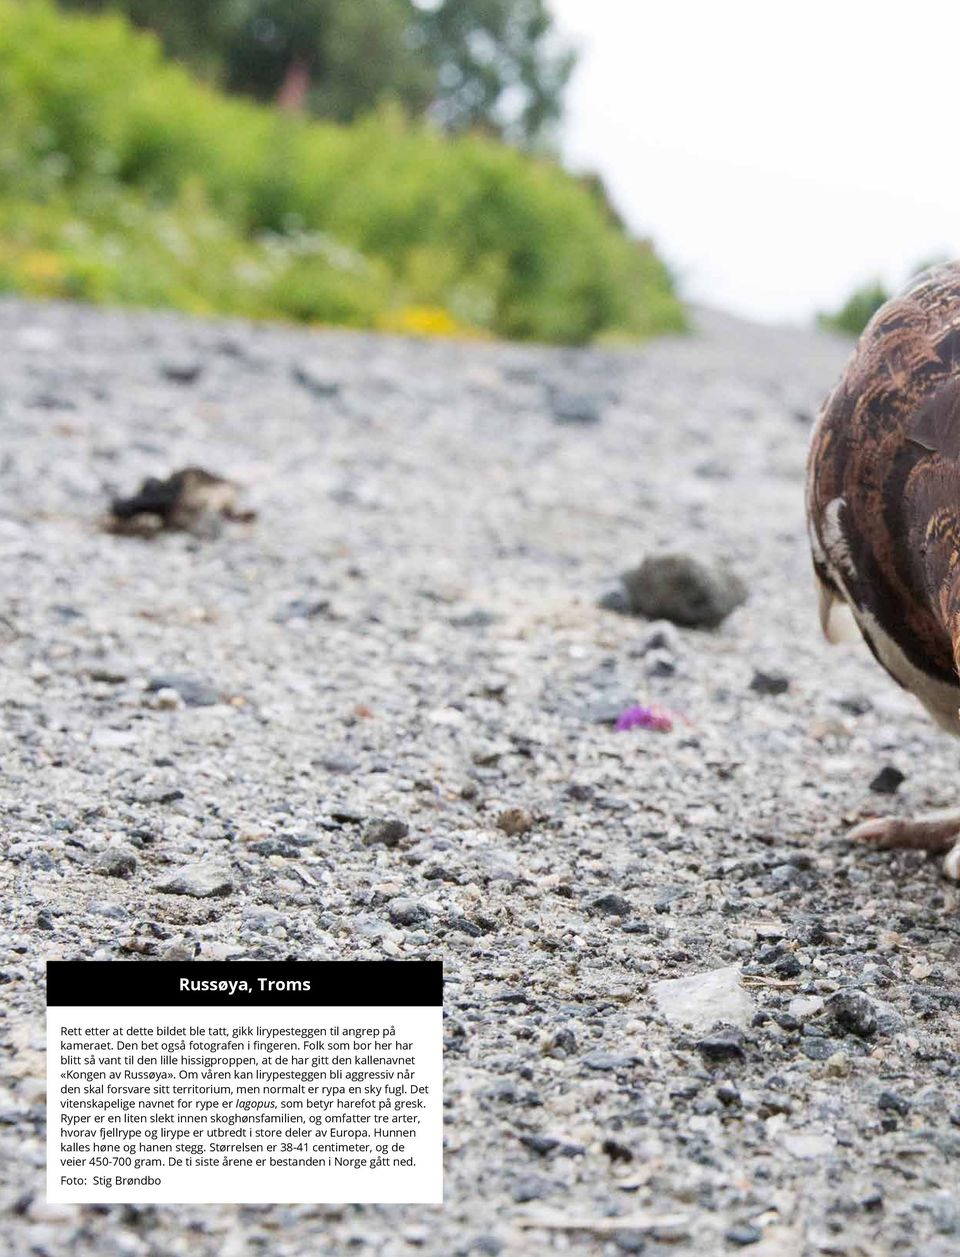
(377, 722)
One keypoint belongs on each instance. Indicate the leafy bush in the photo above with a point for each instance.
(857, 311)
(123, 179)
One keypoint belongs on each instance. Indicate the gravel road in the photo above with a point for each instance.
(410, 630)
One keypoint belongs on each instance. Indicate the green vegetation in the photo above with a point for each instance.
(858, 309)
(124, 180)
(863, 303)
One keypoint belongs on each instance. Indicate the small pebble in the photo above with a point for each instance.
(853, 1012)
(888, 780)
(604, 1062)
(181, 370)
(388, 831)
(116, 861)
(195, 693)
(613, 905)
(724, 1043)
(743, 1233)
(575, 408)
(405, 911)
(531, 1187)
(770, 683)
(892, 1102)
(515, 821)
(202, 881)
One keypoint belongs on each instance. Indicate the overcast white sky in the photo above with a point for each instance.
(779, 154)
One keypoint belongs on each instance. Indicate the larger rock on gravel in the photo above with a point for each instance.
(202, 881)
(854, 1012)
(863, 1015)
(684, 590)
(703, 999)
(116, 861)
(389, 831)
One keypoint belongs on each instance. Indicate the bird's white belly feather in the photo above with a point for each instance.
(939, 698)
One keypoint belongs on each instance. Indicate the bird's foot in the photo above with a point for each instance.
(936, 832)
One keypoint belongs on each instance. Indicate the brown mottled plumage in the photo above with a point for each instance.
(883, 506)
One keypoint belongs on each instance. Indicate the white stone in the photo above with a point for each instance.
(808, 1146)
(112, 739)
(804, 1006)
(203, 881)
(702, 999)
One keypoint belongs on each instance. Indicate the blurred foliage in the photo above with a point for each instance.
(863, 303)
(492, 64)
(353, 55)
(123, 179)
(858, 309)
(498, 66)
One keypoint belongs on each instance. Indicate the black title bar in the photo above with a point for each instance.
(282, 983)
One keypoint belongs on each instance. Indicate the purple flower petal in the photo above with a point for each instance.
(654, 718)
